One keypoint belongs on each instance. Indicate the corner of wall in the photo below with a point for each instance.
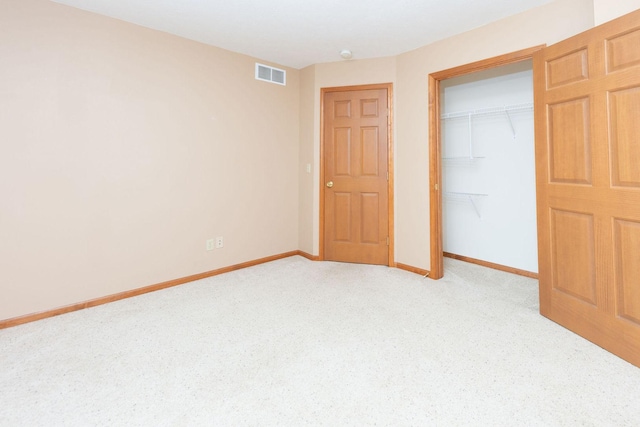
(306, 161)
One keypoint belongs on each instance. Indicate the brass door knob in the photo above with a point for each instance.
(330, 184)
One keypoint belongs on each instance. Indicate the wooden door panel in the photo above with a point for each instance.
(624, 119)
(356, 206)
(587, 107)
(341, 220)
(573, 254)
(627, 269)
(370, 108)
(342, 151)
(370, 218)
(369, 155)
(342, 109)
(566, 69)
(569, 141)
(622, 51)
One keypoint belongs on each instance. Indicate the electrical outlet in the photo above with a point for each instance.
(219, 242)
(210, 244)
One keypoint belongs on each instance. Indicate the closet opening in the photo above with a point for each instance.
(482, 158)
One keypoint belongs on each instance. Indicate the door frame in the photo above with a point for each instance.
(390, 192)
(436, 269)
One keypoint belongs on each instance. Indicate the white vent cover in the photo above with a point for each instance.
(270, 74)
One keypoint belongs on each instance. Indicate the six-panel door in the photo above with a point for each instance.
(587, 94)
(356, 202)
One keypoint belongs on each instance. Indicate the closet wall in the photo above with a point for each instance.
(489, 203)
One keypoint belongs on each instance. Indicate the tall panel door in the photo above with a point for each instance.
(587, 107)
(356, 202)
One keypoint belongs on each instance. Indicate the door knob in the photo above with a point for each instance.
(330, 184)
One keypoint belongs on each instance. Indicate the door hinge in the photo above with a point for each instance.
(387, 175)
(387, 240)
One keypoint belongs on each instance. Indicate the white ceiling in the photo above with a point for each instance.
(298, 33)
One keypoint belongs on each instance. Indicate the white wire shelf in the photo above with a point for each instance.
(515, 108)
(507, 110)
(470, 197)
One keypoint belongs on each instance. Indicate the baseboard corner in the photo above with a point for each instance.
(412, 269)
(308, 256)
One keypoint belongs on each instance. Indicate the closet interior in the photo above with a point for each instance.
(488, 167)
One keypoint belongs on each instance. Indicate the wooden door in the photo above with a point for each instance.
(356, 187)
(587, 107)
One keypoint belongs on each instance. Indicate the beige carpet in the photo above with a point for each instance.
(295, 342)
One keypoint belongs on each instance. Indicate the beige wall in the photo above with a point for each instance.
(124, 149)
(334, 74)
(546, 24)
(606, 10)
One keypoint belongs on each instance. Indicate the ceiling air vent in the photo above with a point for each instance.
(270, 74)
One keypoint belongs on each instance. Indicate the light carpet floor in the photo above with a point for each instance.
(295, 342)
